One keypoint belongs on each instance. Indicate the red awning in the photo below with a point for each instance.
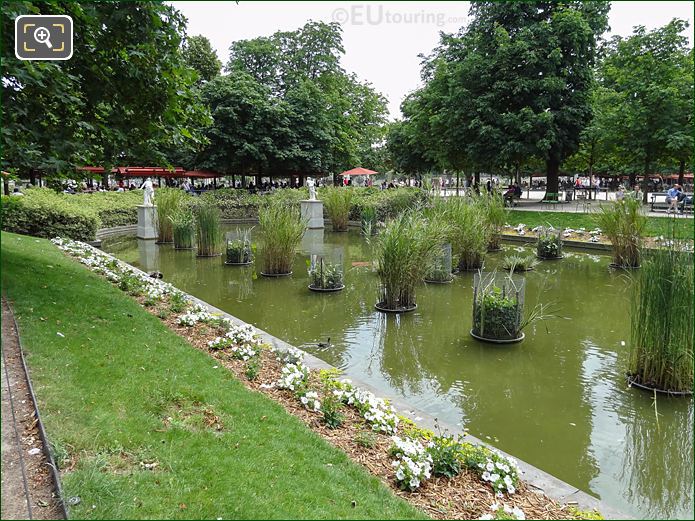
(359, 171)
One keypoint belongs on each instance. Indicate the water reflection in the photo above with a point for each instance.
(556, 400)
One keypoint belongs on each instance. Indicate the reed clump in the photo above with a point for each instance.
(404, 251)
(183, 228)
(281, 228)
(337, 202)
(168, 201)
(496, 216)
(661, 319)
(208, 229)
(624, 223)
(469, 233)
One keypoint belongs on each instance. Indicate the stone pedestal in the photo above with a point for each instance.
(312, 210)
(147, 219)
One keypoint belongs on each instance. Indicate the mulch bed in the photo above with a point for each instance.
(462, 497)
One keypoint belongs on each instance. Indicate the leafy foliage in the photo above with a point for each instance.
(200, 56)
(93, 108)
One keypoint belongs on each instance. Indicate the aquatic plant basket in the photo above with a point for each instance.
(631, 382)
(325, 272)
(238, 249)
(441, 272)
(498, 307)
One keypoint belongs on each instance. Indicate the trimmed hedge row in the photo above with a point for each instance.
(41, 212)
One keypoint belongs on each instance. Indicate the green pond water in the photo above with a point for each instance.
(557, 400)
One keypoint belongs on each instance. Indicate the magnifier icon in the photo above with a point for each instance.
(42, 35)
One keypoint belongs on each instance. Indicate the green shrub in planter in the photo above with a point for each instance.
(549, 244)
(325, 275)
(498, 307)
(239, 249)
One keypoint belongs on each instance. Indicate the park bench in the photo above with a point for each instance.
(659, 202)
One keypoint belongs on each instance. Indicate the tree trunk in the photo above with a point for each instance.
(591, 172)
(32, 177)
(458, 175)
(681, 172)
(633, 180)
(645, 180)
(517, 174)
(6, 185)
(552, 172)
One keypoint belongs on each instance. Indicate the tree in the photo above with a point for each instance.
(651, 74)
(125, 96)
(330, 120)
(200, 56)
(516, 82)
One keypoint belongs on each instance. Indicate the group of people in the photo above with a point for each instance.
(676, 199)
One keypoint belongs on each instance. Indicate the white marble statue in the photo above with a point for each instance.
(148, 187)
(312, 188)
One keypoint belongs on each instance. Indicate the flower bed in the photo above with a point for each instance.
(453, 478)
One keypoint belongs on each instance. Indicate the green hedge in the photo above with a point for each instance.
(42, 212)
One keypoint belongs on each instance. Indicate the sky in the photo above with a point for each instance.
(382, 40)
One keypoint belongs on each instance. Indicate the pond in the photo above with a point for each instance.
(557, 400)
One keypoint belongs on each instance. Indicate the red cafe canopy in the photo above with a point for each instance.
(359, 171)
(201, 174)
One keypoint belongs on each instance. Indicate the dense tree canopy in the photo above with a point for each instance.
(124, 96)
(649, 76)
(309, 115)
(513, 85)
(201, 57)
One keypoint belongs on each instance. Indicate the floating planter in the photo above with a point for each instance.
(325, 276)
(623, 223)
(549, 244)
(337, 202)
(239, 251)
(519, 263)
(169, 202)
(208, 232)
(281, 230)
(404, 251)
(661, 320)
(183, 227)
(469, 232)
(440, 272)
(498, 308)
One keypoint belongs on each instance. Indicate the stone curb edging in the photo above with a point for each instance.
(534, 477)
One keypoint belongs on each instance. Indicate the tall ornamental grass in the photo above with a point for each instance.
(183, 229)
(404, 252)
(208, 229)
(496, 216)
(281, 228)
(168, 202)
(624, 223)
(469, 233)
(338, 202)
(661, 345)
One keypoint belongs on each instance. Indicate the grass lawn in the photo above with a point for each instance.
(145, 426)
(655, 225)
